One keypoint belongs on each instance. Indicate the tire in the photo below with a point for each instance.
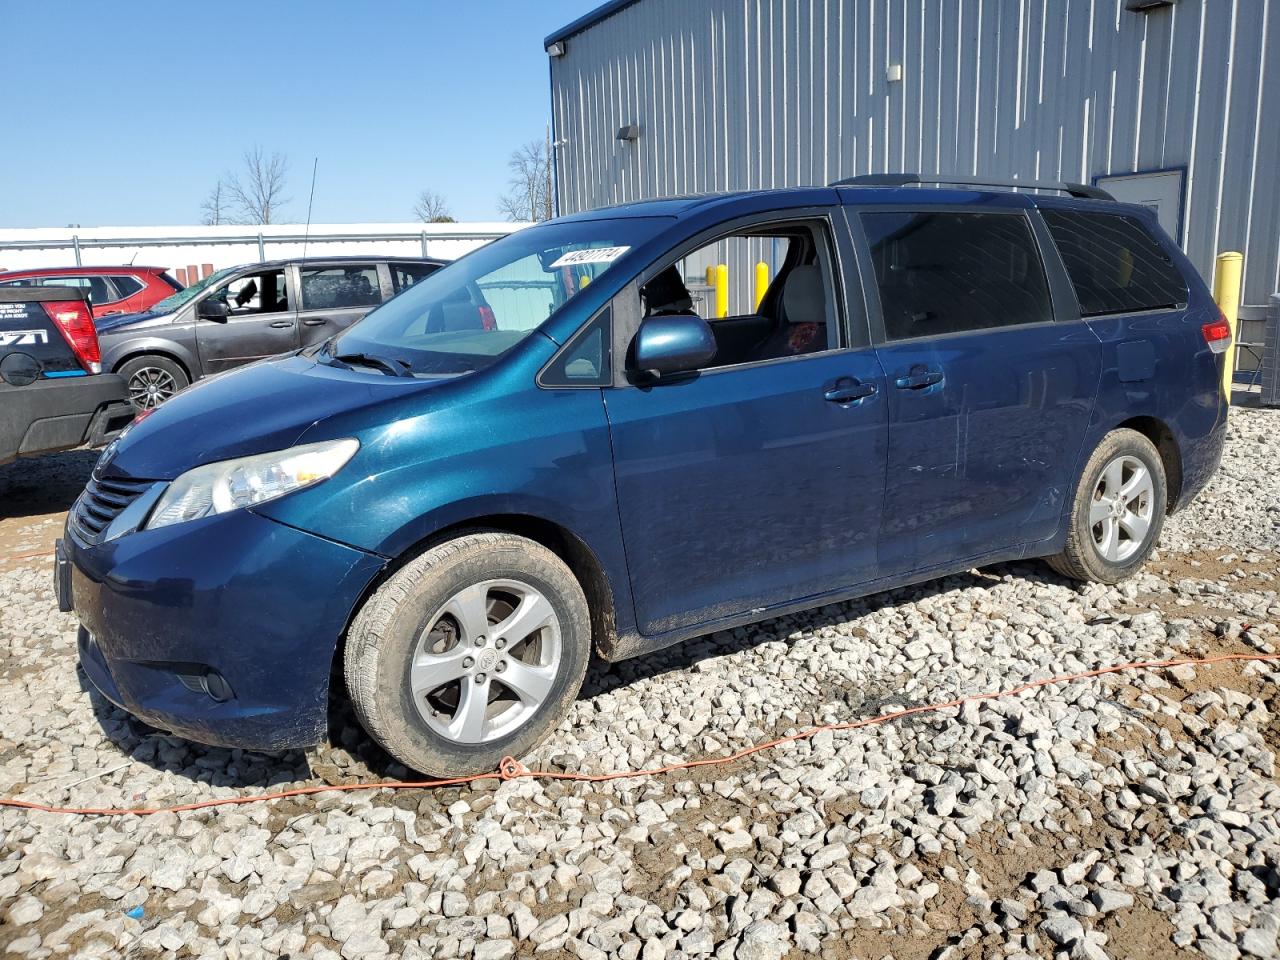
(152, 380)
(428, 612)
(1090, 553)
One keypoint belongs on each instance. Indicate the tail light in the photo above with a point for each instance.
(1217, 334)
(75, 322)
(487, 320)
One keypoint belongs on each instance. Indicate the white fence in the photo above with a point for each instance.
(182, 247)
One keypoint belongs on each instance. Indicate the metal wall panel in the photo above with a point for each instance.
(748, 94)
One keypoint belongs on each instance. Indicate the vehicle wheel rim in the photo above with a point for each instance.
(487, 661)
(1122, 509)
(151, 386)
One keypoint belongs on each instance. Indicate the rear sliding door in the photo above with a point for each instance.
(989, 394)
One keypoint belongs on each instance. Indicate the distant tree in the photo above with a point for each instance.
(528, 196)
(257, 192)
(214, 209)
(432, 208)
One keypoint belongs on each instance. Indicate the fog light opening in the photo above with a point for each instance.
(211, 683)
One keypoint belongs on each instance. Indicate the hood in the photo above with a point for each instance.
(256, 409)
(117, 320)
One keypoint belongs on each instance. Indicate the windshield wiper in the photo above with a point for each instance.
(392, 368)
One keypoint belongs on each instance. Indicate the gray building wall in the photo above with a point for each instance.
(745, 94)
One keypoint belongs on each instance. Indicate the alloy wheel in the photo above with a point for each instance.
(486, 662)
(1122, 509)
(151, 386)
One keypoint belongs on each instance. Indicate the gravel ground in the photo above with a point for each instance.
(1129, 815)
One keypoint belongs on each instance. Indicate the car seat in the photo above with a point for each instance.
(804, 316)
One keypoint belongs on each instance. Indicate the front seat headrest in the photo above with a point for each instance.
(803, 299)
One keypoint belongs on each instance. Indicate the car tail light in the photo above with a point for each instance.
(1217, 334)
(75, 322)
(487, 320)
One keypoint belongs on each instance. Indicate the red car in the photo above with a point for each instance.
(111, 289)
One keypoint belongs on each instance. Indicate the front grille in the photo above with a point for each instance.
(101, 502)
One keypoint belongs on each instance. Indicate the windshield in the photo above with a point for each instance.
(172, 303)
(468, 314)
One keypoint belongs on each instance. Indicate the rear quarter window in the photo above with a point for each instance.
(1115, 263)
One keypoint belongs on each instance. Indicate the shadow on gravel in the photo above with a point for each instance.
(604, 677)
(217, 766)
(48, 484)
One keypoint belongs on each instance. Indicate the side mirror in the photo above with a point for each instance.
(211, 308)
(675, 344)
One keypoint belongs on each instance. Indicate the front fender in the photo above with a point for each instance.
(116, 351)
(542, 454)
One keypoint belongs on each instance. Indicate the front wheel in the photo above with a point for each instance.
(469, 653)
(1118, 512)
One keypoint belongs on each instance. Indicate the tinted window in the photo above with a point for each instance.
(330, 288)
(944, 273)
(1114, 263)
(585, 361)
(405, 275)
(127, 286)
(100, 289)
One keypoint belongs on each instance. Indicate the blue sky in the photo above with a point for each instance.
(131, 114)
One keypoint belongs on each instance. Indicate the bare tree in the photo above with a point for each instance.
(432, 208)
(528, 196)
(214, 209)
(258, 191)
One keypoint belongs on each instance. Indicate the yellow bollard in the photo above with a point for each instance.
(722, 290)
(583, 281)
(1226, 292)
(762, 282)
(711, 275)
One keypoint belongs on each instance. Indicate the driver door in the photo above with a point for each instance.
(260, 322)
(757, 480)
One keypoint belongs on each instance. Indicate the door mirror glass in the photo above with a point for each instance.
(673, 344)
(212, 308)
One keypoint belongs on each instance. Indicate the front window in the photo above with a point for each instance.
(187, 294)
(466, 315)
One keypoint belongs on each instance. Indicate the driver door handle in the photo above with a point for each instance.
(281, 324)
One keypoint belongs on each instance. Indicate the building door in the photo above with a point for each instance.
(1159, 191)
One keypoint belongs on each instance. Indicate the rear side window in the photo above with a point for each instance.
(941, 273)
(405, 275)
(330, 288)
(1114, 263)
(126, 286)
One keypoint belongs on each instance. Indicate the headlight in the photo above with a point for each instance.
(232, 484)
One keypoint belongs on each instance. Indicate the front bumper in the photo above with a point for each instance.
(221, 630)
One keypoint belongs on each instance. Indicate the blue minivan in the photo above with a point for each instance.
(569, 442)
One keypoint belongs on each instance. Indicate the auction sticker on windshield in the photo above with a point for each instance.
(592, 255)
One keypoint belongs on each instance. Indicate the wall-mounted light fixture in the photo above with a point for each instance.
(630, 132)
(1146, 6)
(894, 73)
(556, 49)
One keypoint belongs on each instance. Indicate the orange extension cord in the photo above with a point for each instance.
(511, 769)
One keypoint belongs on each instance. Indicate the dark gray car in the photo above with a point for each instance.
(242, 314)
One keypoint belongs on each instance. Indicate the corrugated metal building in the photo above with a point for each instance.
(1176, 105)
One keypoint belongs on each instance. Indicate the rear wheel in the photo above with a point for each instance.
(1118, 512)
(469, 653)
(152, 380)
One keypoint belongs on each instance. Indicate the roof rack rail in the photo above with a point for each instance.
(916, 179)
